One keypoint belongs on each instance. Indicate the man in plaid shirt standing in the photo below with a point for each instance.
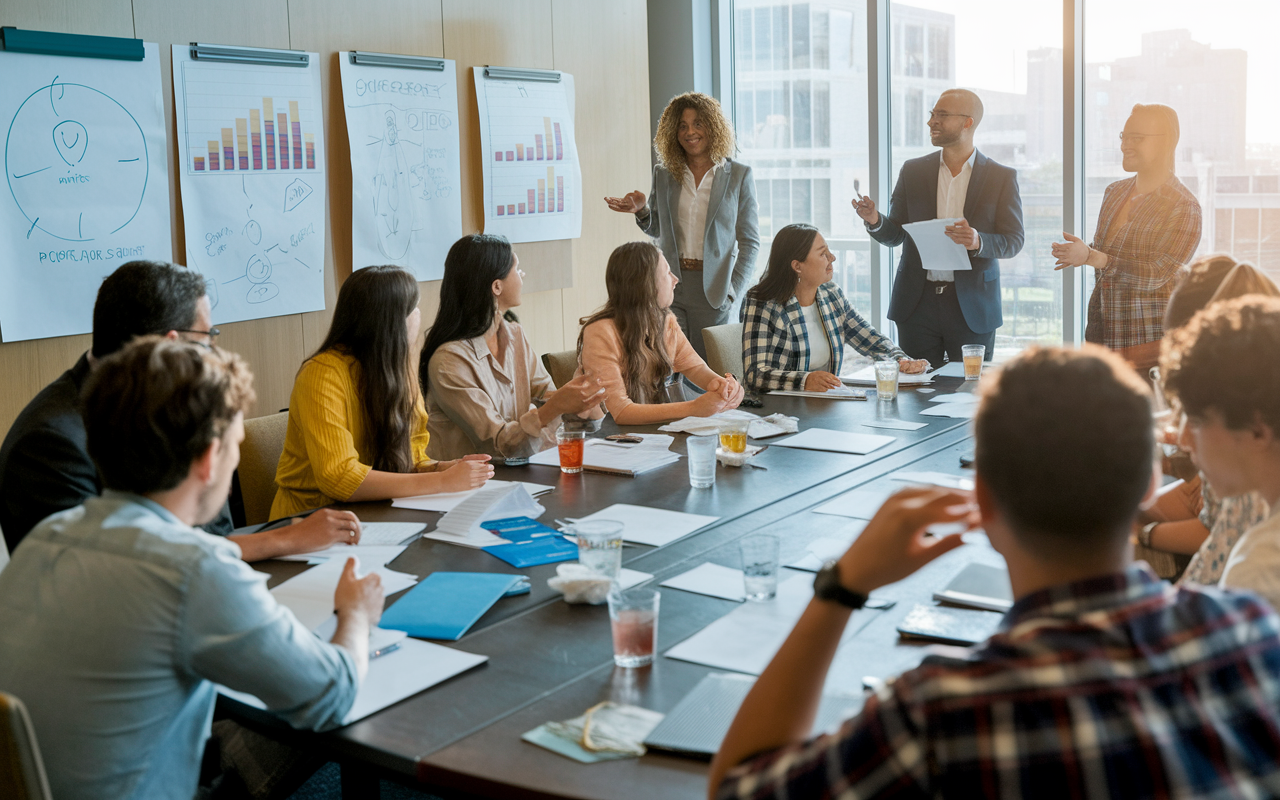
(1101, 682)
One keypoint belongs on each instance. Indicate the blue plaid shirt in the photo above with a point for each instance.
(775, 341)
(1115, 687)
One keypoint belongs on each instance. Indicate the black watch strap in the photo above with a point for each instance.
(827, 586)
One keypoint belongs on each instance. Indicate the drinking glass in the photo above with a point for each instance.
(599, 545)
(702, 461)
(886, 379)
(571, 444)
(760, 567)
(974, 355)
(633, 615)
(733, 435)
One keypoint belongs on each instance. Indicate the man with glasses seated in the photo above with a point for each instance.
(44, 464)
(938, 311)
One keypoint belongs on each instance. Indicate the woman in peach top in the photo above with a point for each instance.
(636, 348)
(357, 424)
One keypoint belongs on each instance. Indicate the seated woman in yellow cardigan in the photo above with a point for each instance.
(357, 424)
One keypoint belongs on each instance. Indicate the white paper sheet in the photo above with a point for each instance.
(652, 526)
(632, 577)
(406, 174)
(838, 393)
(532, 182)
(448, 501)
(943, 479)
(710, 579)
(491, 502)
(857, 504)
(952, 369)
(88, 181)
(758, 428)
(369, 555)
(894, 425)
(867, 377)
(398, 675)
(379, 638)
(937, 250)
(387, 533)
(958, 397)
(310, 595)
(951, 410)
(828, 548)
(255, 231)
(835, 441)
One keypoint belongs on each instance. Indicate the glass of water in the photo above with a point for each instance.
(633, 617)
(702, 460)
(760, 567)
(886, 379)
(600, 546)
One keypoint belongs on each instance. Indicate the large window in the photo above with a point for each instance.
(1217, 67)
(801, 95)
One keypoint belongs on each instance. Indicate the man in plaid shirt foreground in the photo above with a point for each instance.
(1102, 681)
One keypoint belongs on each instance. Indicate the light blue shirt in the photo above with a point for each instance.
(116, 620)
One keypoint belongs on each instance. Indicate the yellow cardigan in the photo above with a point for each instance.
(324, 459)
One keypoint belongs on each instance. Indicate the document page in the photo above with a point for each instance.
(937, 250)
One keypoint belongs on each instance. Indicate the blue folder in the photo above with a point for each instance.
(531, 543)
(447, 604)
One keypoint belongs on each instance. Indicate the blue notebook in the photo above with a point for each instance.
(532, 543)
(447, 604)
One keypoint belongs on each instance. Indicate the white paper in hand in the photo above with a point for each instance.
(937, 250)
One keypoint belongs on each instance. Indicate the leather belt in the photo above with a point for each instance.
(694, 264)
(939, 287)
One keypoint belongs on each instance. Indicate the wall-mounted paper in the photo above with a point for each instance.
(252, 178)
(406, 175)
(532, 183)
(88, 184)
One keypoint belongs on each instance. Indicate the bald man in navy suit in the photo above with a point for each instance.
(939, 311)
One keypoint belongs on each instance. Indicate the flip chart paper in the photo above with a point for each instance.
(406, 174)
(87, 182)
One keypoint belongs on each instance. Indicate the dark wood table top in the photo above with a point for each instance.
(549, 660)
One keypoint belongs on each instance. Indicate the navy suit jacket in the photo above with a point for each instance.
(993, 208)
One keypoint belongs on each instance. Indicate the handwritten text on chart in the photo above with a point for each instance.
(104, 254)
(407, 88)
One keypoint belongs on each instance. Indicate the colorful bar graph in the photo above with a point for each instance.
(199, 161)
(546, 135)
(255, 137)
(213, 155)
(559, 193)
(519, 152)
(269, 120)
(282, 122)
(242, 142)
(295, 129)
(559, 149)
(310, 140)
(228, 150)
(537, 138)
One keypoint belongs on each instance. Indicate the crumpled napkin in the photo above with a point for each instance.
(580, 584)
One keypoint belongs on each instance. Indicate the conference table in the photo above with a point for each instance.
(550, 660)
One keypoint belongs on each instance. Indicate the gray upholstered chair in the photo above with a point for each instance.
(22, 775)
(561, 366)
(724, 349)
(259, 457)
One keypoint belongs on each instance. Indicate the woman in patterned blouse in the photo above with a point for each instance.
(796, 322)
(1148, 228)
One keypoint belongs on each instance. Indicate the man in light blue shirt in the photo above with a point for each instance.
(117, 617)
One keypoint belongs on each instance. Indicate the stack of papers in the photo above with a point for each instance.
(703, 426)
(867, 377)
(839, 393)
(464, 525)
(955, 406)
(310, 595)
(835, 441)
(652, 526)
(448, 501)
(618, 458)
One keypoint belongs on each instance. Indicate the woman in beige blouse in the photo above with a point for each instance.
(486, 389)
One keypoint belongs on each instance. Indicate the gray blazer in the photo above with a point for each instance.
(732, 237)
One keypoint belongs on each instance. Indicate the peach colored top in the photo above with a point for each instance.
(602, 354)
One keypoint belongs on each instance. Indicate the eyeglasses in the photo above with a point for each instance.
(212, 333)
(1137, 138)
(944, 114)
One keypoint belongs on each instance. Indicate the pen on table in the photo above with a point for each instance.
(382, 651)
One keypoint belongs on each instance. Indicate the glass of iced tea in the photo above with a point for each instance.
(886, 379)
(733, 435)
(571, 444)
(974, 354)
(633, 614)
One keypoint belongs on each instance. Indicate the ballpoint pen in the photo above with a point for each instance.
(382, 651)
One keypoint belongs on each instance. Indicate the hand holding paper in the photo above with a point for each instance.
(938, 249)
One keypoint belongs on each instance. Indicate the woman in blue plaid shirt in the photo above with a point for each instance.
(796, 321)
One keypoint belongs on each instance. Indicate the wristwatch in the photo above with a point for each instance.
(1144, 535)
(827, 586)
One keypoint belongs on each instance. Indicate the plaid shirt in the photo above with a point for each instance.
(1143, 259)
(775, 341)
(1115, 687)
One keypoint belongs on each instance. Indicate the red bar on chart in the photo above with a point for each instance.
(521, 207)
(295, 128)
(282, 130)
(228, 150)
(311, 150)
(269, 121)
(511, 209)
(255, 137)
(542, 195)
(213, 156)
(537, 138)
(199, 163)
(559, 149)
(242, 142)
(497, 156)
(511, 155)
(501, 209)
(531, 201)
(519, 152)
(559, 193)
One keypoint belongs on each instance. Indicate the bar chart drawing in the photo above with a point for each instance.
(251, 146)
(532, 182)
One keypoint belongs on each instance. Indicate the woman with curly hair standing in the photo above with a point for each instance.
(701, 211)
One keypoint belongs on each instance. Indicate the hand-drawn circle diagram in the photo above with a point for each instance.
(76, 162)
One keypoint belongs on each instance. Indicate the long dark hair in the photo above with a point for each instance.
(631, 280)
(467, 306)
(792, 243)
(369, 325)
